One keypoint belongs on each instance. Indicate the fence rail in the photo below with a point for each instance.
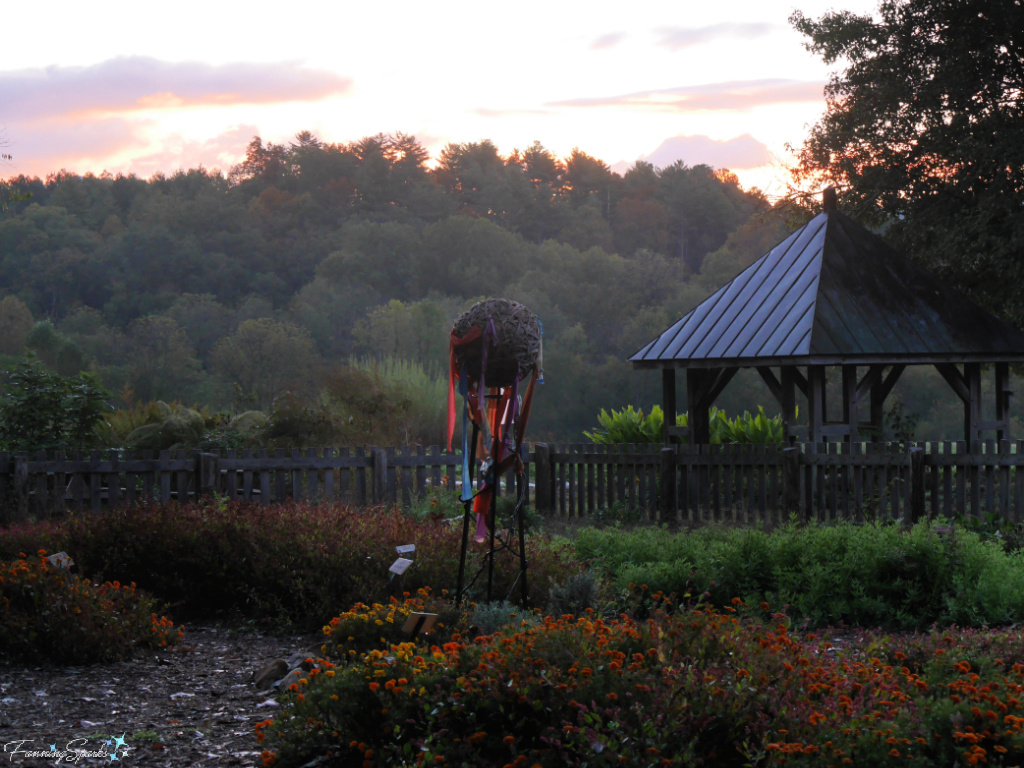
(680, 483)
(770, 484)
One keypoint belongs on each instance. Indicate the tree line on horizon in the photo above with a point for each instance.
(230, 289)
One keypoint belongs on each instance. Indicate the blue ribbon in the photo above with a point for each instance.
(467, 491)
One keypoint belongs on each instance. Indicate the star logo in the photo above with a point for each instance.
(119, 742)
(53, 747)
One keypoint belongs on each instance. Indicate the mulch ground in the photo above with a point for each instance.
(194, 705)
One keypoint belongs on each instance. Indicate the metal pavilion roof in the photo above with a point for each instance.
(832, 292)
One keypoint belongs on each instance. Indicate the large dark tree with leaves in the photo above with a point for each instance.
(924, 129)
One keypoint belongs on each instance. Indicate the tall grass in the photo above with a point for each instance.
(415, 396)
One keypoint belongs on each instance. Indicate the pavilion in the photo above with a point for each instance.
(833, 296)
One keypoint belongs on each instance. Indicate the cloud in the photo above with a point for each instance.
(119, 145)
(677, 38)
(738, 153)
(735, 96)
(41, 144)
(221, 151)
(609, 40)
(136, 82)
(499, 113)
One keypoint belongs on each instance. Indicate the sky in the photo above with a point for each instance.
(130, 87)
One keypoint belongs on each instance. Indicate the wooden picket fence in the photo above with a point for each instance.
(679, 484)
(773, 484)
(44, 485)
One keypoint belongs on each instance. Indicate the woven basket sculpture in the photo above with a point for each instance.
(514, 350)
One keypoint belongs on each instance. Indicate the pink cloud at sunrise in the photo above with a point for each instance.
(715, 97)
(135, 82)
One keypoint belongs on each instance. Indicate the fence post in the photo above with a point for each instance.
(21, 484)
(207, 473)
(916, 484)
(791, 499)
(380, 475)
(544, 495)
(669, 497)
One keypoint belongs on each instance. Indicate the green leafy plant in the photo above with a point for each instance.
(869, 575)
(42, 410)
(630, 425)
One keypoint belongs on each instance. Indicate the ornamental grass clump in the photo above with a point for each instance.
(48, 614)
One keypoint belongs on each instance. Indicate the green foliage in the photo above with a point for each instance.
(229, 290)
(48, 614)
(292, 423)
(173, 426)
(867, 575)
(488, 618)
(436, 503)
(266, 358)
(42, 410)
(631, 426)
(579, 592)
(388, 401)
(748, 429)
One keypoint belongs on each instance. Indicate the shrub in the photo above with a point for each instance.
(48, 614)
(42, 410)
(867, 575)
(294, 562)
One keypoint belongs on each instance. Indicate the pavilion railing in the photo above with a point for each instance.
(678, 484)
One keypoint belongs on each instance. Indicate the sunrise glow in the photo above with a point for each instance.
(729, 86)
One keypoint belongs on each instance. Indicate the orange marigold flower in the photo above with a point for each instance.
(509, 740)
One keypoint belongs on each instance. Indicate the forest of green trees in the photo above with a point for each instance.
(232, 290)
